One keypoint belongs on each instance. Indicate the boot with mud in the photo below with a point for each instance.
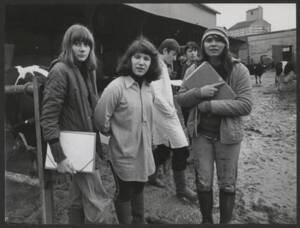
(206, 206)
(76, 215)
(154, 179)
(123, 211)
(226, 206)
(182, 191)
(137, 205)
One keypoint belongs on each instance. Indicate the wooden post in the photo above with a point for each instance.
(45, 181)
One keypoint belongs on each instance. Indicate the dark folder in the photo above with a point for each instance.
(205, 74)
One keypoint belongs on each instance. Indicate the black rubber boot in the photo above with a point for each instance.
(206, 206)
(154, 179)
(226, 206)
(123, 211)
(182, 191)
(76, 215)
(137, 205)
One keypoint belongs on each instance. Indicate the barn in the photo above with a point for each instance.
(33, 34)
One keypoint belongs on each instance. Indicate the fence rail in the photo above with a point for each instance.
(26, 88)
(44, 181)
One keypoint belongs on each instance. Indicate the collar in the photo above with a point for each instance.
(129, 81)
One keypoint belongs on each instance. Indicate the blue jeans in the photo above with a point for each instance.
(208, 151)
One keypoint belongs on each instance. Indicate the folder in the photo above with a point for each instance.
(80, 149)
(205, 74)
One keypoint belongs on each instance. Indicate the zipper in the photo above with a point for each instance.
(141, 98)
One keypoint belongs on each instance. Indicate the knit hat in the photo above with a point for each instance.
(216, 31)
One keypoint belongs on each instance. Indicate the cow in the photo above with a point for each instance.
(259, 69)
(19, 109)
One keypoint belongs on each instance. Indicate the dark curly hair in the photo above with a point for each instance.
(142, 45)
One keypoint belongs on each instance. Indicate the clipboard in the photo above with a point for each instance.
(205, 74)
(80, 149)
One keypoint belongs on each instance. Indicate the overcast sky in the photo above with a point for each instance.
(280, 16)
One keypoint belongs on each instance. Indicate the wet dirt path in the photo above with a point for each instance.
(266, 187)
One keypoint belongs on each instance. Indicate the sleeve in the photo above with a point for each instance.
(52, 104)
(105, 108)
(188, 98)
(161, 103)
(242, 104)
(163, 95)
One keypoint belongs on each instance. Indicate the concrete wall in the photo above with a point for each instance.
(254, 14)
(256, 27)
(262, 44)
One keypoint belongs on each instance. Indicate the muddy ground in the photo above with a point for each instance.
(266, 188)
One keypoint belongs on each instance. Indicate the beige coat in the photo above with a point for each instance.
(167, 129)
(124, 111)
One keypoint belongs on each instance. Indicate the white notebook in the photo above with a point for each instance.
(79, 147)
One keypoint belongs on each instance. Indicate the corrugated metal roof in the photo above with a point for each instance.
(196, 14)
(268, 33)
(243, 24)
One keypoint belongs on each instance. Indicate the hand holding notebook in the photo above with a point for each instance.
(205, 75)
(79, 147)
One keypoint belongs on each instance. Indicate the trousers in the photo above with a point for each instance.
(179, 158)
(210, 151)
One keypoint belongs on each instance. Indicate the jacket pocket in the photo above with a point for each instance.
(231, 130)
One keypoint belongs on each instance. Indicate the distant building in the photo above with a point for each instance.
(254, 24)
(278, 45)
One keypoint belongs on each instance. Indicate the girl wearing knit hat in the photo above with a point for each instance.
(216, 125)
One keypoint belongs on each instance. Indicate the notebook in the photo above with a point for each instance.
(79, 147)
(176, 82)
(205, 74)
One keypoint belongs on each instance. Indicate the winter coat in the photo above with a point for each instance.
(231, 110)
(66, 104)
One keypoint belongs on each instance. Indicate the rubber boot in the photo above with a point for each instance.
(76, 215)
(137, 205)
(154, 179)
(226, 206)
(182, 191)
(123, 211)
(206, 206)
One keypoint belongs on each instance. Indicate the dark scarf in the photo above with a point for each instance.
(138, 79)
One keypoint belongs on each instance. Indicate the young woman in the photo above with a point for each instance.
(69, 98)
(216, 125)
(124, 112)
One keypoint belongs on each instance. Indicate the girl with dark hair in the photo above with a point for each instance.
(191, 51)
(69, 98)
(124, 112)
(216, 125)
